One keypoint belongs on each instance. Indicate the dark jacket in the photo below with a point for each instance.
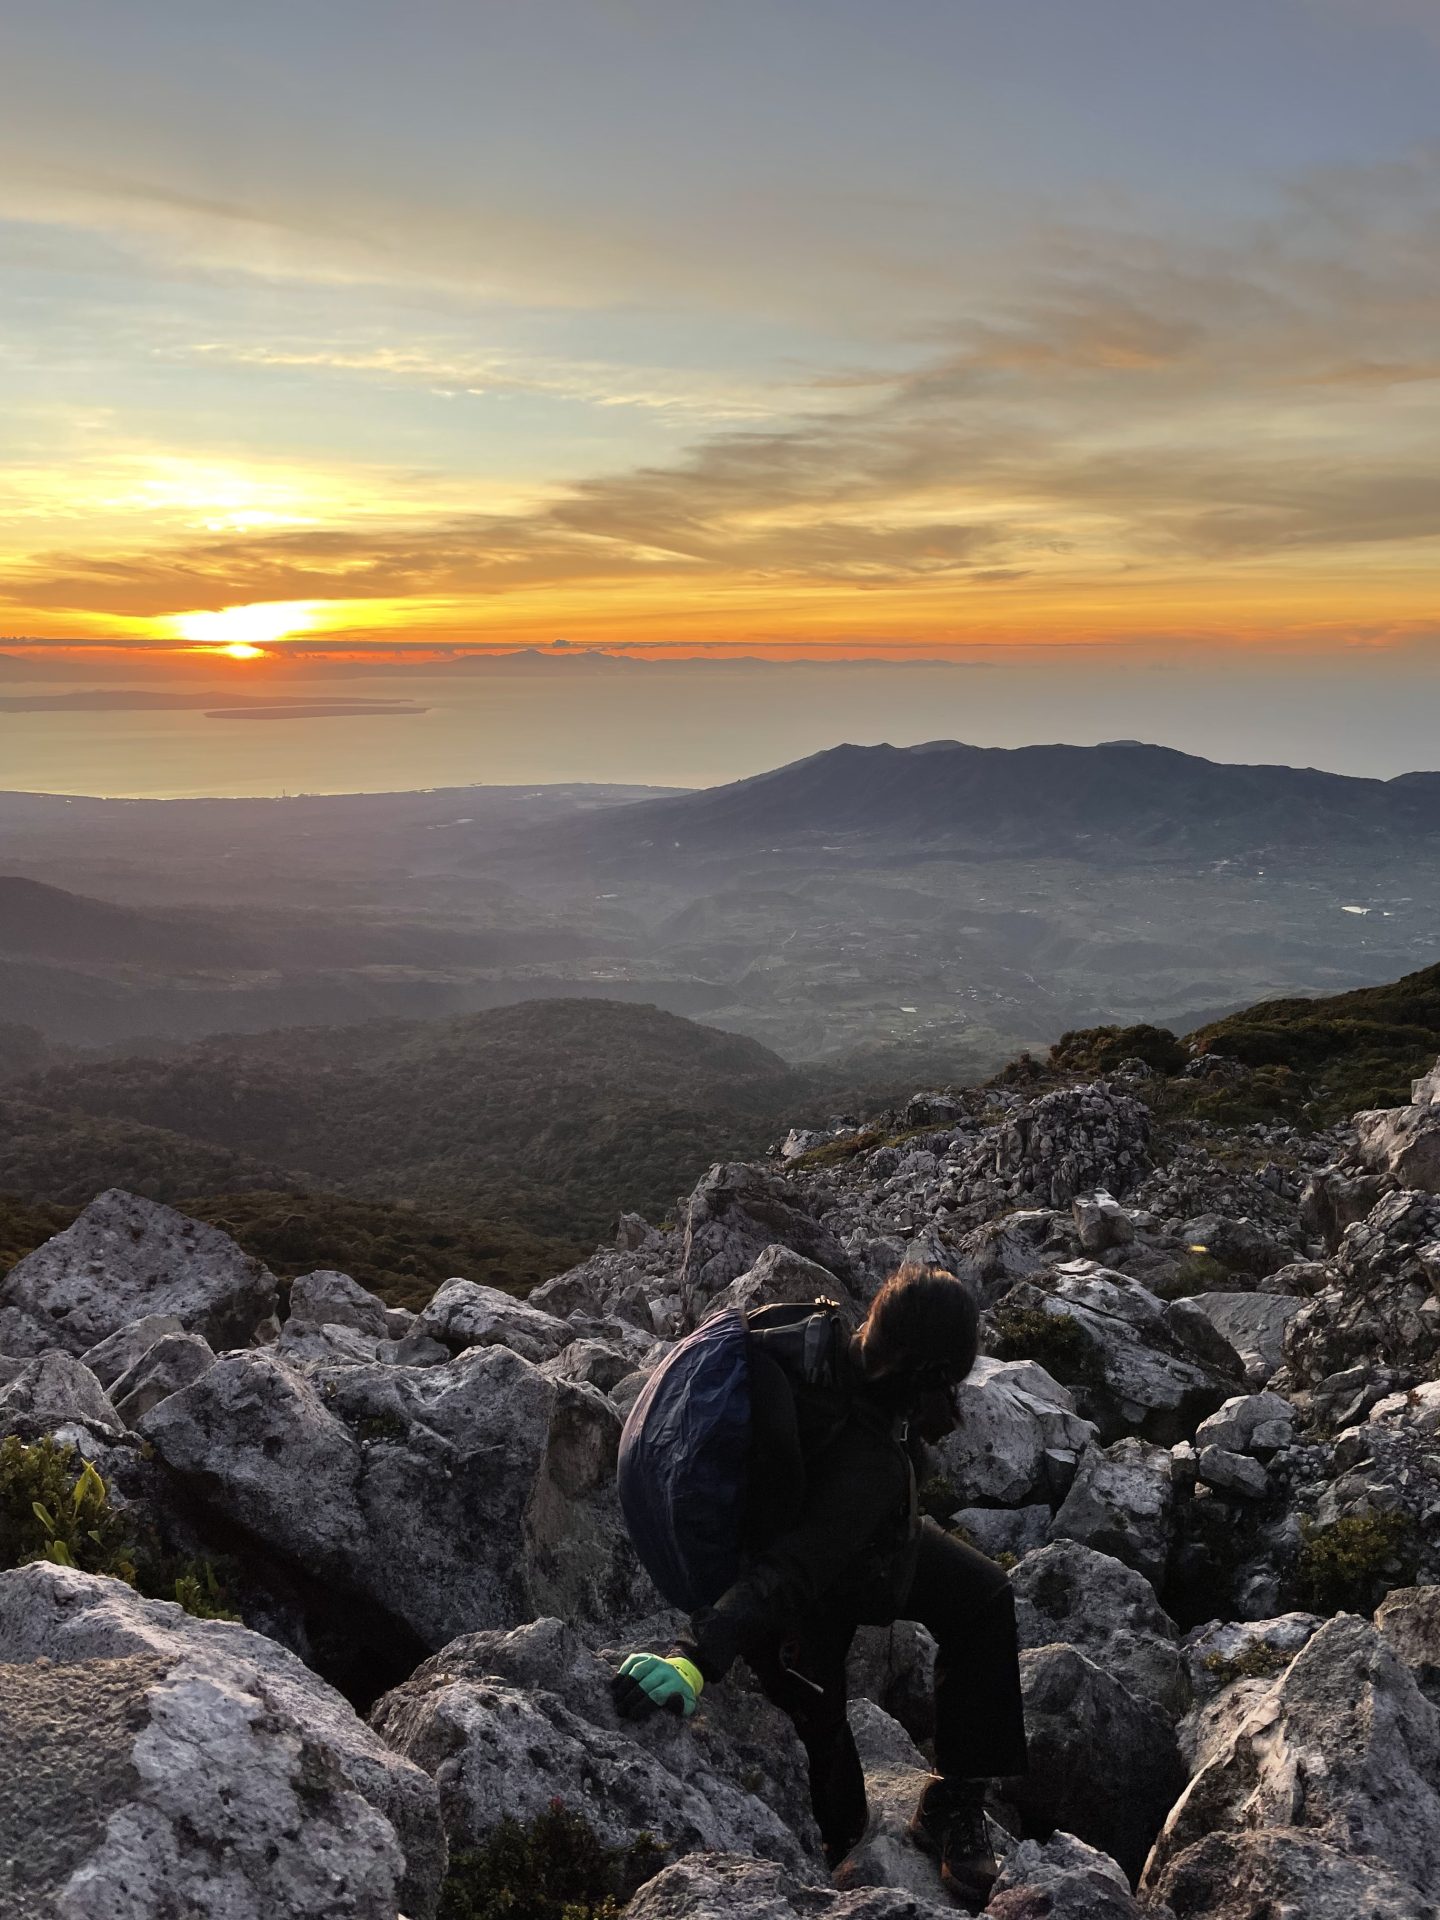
(845, 1546)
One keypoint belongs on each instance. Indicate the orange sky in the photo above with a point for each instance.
(787, 331)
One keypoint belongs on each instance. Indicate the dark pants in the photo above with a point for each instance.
(965, 1601)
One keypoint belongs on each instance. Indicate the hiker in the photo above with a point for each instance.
(829, 1539)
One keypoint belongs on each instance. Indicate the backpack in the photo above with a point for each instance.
(684, 1465)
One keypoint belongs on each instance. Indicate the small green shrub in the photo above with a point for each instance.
(1350, 1566)
(198, 1588)
(1054, 1340)
(1257, 1662)
(54, 1506)
(1196, 1273)
(555, 1867)
(1102, 1049)
(936, 1497)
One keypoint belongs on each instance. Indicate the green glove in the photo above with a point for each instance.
(646, 1681)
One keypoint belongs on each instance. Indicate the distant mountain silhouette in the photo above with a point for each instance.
(1121, 799)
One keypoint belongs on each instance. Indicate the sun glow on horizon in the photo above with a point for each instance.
(242, 631)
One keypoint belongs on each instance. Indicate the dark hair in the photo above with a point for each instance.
(922, 1318)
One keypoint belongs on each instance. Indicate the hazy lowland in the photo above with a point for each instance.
(514, 1010)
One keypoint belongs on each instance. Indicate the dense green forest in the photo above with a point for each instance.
(501, 1145)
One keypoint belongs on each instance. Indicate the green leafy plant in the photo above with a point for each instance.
(1054, 1340)
(55, 1506)
(554, 1867)
(198, 1588)
(1349, 1566)
(1258, 1662)
(1102, 1049)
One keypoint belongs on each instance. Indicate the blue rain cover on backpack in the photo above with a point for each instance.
(684, 1463)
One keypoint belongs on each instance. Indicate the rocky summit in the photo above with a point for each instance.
(309, 1604)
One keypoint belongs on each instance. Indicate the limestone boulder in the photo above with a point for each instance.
(1405, 1141)
(780, 1277)
(55, 1394)
(176, 1360)
(895, 1775)
(1381, 1308)
(330, 1299)
(1224, 1651)
(507, 1722)
(1011, 1415)
(1409, 1618)
(1068, 1593)
(161, 1764)
(1254, 1325)
(455, 1497)
(1343, 1749)
(732, 1217)
(711, 1886)
(124, 1259)
(1122, 1504)
(464, 1314)
(1103, 1765)
(1063, 1879)
(1243, 1876)
(116, 1354)
(1129, 1368)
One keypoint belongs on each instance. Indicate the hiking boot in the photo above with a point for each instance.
(950, 1824)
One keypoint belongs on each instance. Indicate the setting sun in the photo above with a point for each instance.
(241, 631)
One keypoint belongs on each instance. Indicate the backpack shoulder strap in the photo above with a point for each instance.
(807, 1340)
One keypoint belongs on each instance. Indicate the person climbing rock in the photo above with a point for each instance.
(826, 1538)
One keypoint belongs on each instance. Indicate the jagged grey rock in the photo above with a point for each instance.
(1409, 1618)
(1237, 1242)
(1010, 1414)
(326, 1298)
(1234, 1473)
(1254, 1325)
(1250, 1423)
(709, 1886)
(735, 1213)
(1405, 1141)
(161, 1764)
(1100, 1222)
(175, 1361)
(507, 1722)
(997, 1253)
(1012, 1530)
(895, 1775)
(781, 1276)
(1381, 1307)
(1243, 1876)
(124, 1258)
(53, 1395)
(1068, 1593)
(1122, 1504)
(1063, 1879)
(120, 1350)
(1103, 1764)
(1343, 1746)
(1222, 1651)
(590, 1363)
(1134, 1375)
(469, 1495)
(464, 1314)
